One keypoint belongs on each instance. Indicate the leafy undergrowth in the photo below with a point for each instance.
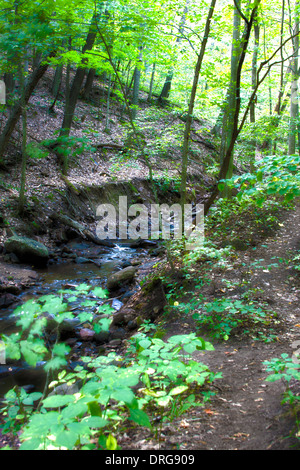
(89, 407)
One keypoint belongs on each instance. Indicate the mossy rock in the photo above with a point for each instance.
(28, 250)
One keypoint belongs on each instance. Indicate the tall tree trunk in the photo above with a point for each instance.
(236, 127)
(108, 103)
(57, 80)
(230, 105)
(9, 81)
(56, 86)
(294, 109)
(89, 84)
(165, 92)
(21, 202)
(254, 69)
(136, 88)
(31, 83)
(254, 85)
(151, 82)
(189, 119)
(78, 80)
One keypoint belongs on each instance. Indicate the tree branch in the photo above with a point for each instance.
(240, 12)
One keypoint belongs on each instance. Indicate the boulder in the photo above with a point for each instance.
(7, 299)
(121, 277)
(86, 334)
(28, 250)
(102, 337)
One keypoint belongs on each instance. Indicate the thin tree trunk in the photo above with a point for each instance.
(32, 82)
(151, 82)
(254, 85)
(254, 70)
(136, 88)
(230, 106)
(281, 91)
(236, 127)
(189, 118)
(165, 92)
(294, 109)
(57, 81)
(108, 103)
(21, 202)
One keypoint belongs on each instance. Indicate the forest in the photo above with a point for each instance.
(149, 226)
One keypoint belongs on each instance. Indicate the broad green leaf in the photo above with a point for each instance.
(178, 390)
(32, 444)
(125, 394)
(55, 363)
(56, 401)
(94, 408)
(145, 343)
(83, 288)
(95, 422)
(111, 443)
(74, 410)
(33, 352)
(32, 397)
(99, 292)
(273, 377)
(66, 439)
(140, 417)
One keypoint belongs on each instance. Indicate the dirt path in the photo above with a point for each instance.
(246, 413)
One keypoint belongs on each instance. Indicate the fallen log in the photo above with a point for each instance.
(201, 140)
(112, 146)
(81, 229)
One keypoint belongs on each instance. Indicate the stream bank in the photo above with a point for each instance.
(74, 260)
(86, 264)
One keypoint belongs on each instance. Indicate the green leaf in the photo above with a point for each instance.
(99, 292)
(145, 343)
(85, 317)
(95, 422)
(31, 444)
(89, 303)
(56, 401)
(32, 397)
(33, 352)
(274, 377)
(125, 394)
(73, 410)
(111, 443)
(178, 390)
(140, 417)
(55, 363)
(83, 288)
(94, 408)
(66, 439)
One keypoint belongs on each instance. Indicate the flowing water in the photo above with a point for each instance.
(95, 273)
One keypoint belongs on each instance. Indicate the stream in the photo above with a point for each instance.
(74, 269)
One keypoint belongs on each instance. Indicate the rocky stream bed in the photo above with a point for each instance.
(118, 269)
